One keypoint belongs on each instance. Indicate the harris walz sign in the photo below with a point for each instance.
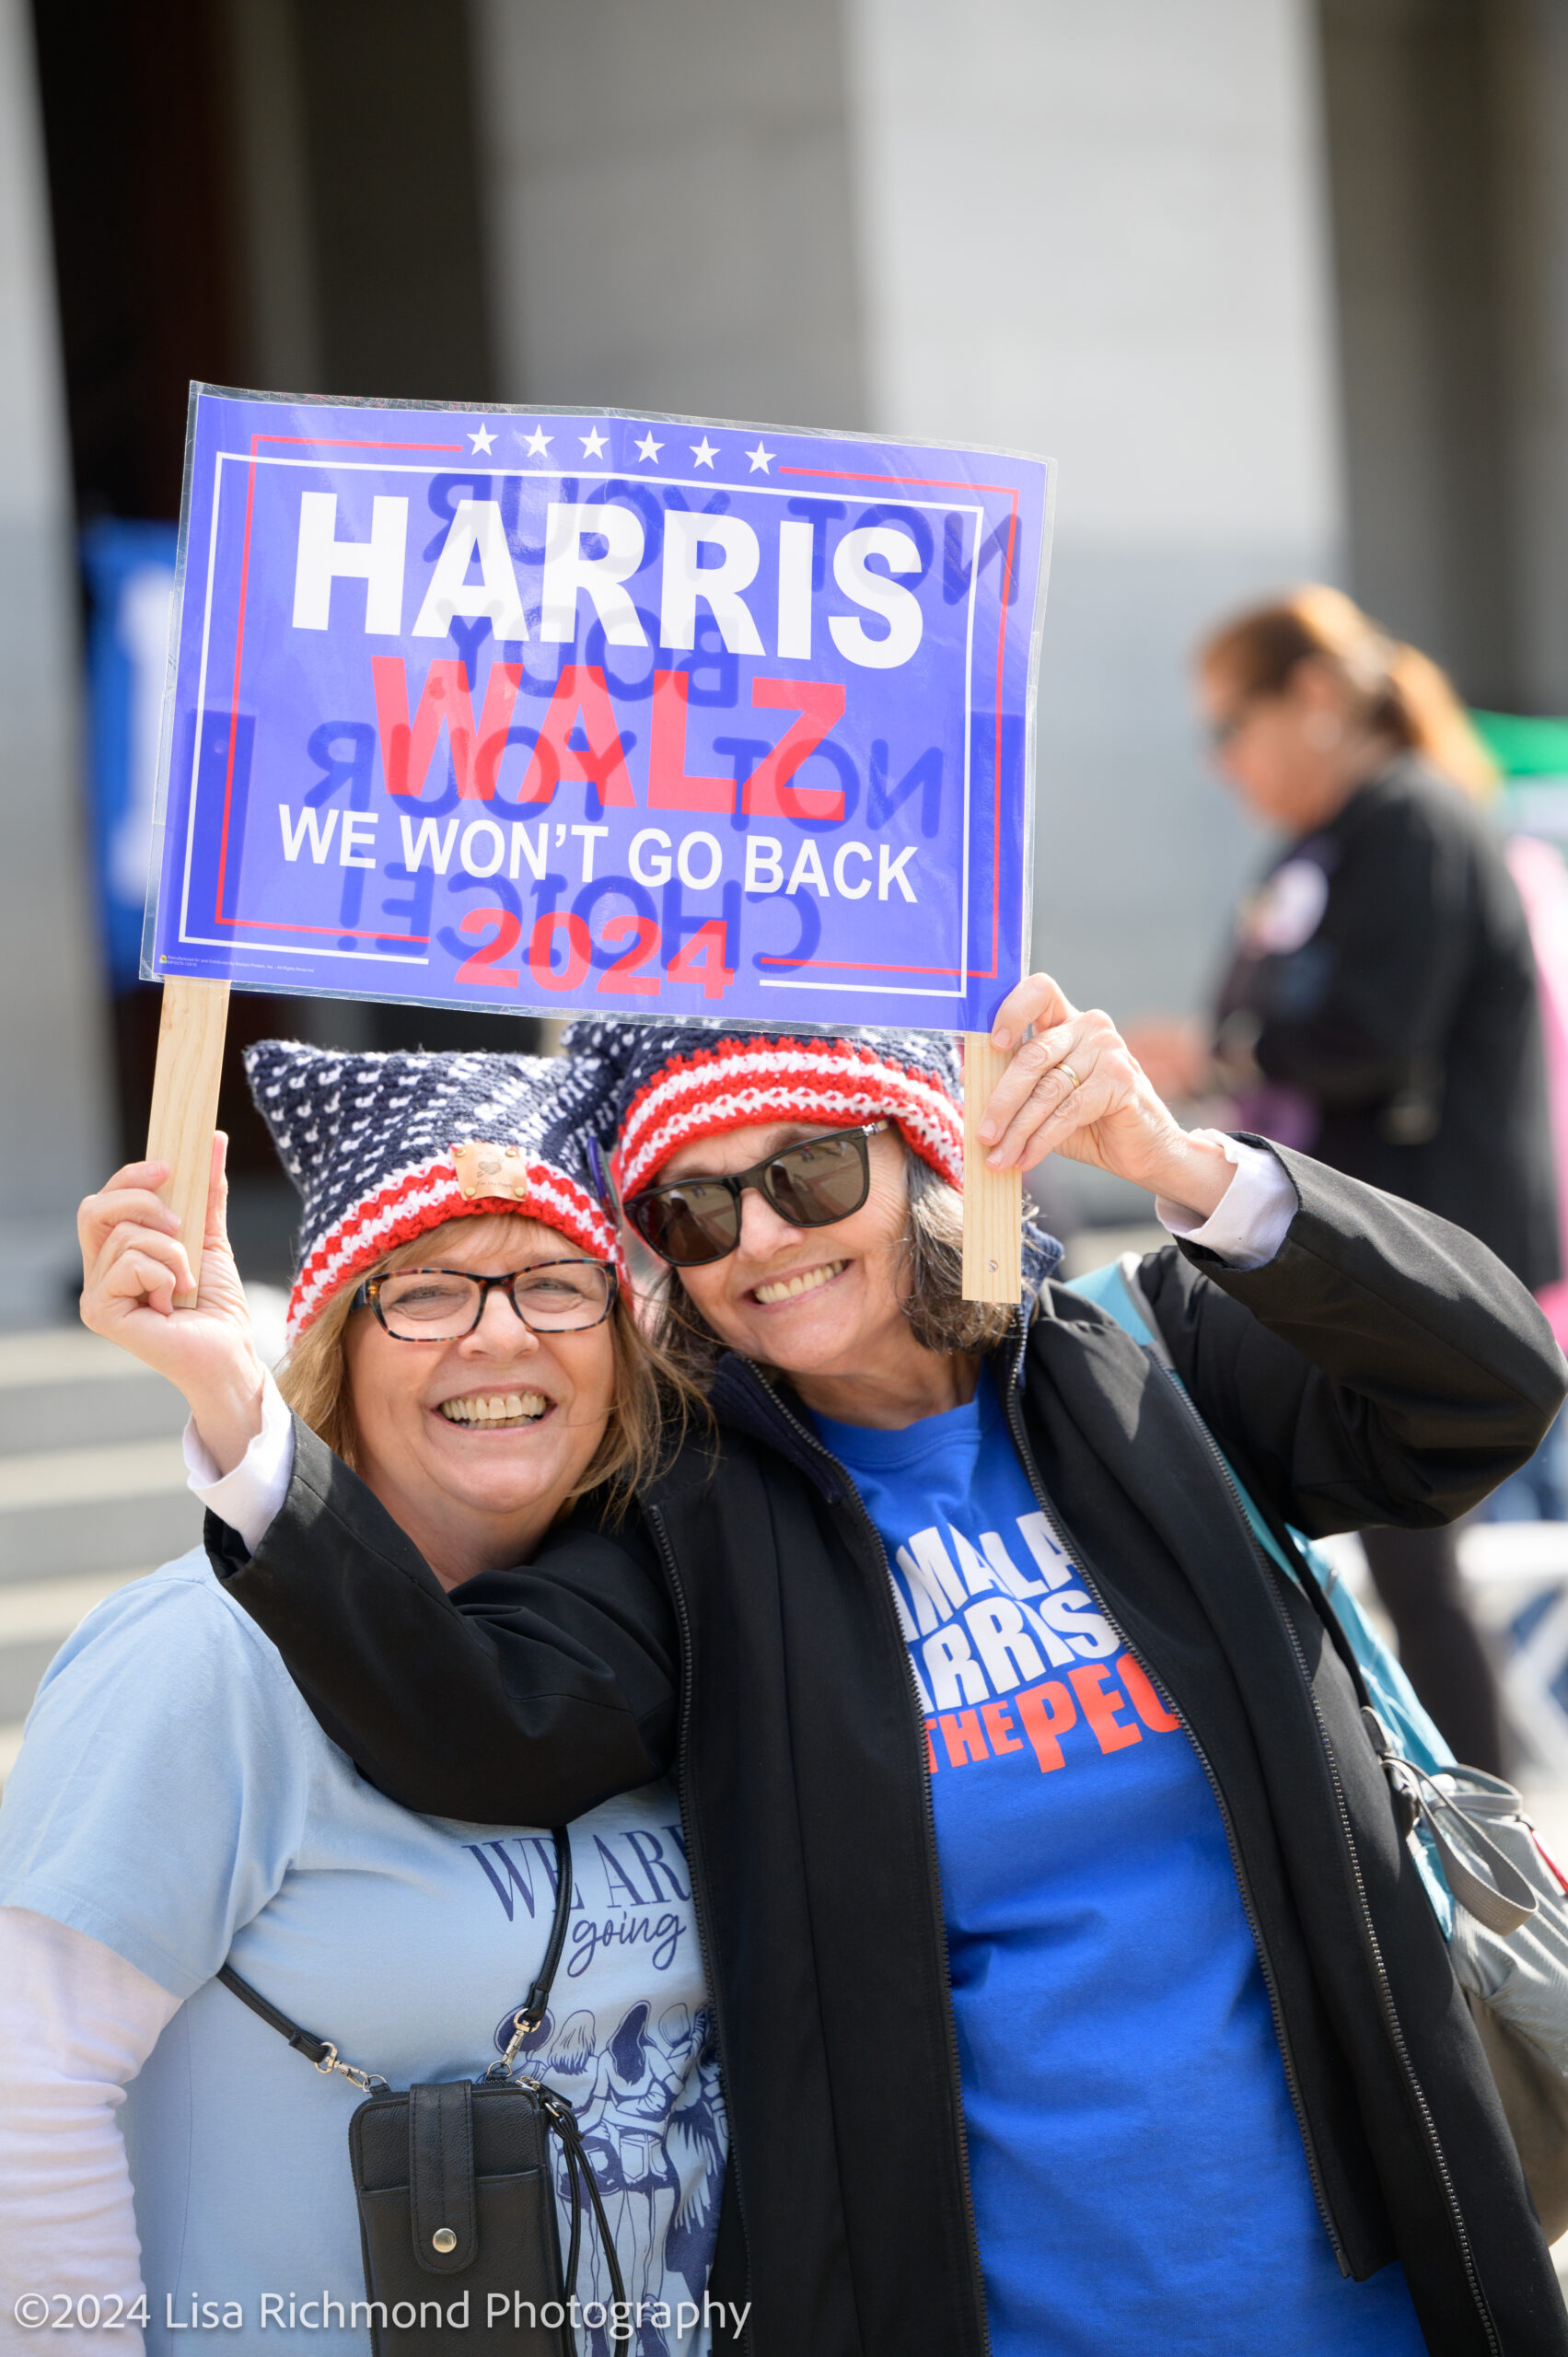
(503, 709)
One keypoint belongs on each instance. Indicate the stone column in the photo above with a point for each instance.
(1531, 130)
(1100, 233)
(55, 1115)
(668, 206)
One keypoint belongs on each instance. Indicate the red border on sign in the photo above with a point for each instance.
(933, 483)
(835, 474)
(278, 925)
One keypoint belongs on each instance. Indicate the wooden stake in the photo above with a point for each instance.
(994, 1200)
(185, 1107)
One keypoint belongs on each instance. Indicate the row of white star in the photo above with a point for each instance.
(537, 445)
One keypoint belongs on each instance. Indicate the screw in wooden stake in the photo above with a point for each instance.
(185, 1107)
(994, 1200)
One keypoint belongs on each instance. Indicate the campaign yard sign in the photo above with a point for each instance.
(510, 709)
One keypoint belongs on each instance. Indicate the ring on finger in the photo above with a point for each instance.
(1073, 1081)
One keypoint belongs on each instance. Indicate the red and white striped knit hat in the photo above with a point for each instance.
(383, 1147)
(674, 1083)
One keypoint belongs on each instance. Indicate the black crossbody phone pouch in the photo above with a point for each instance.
(455, 2189)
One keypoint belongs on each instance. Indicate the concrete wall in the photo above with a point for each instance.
(1449, 168)
(1100, 233)
(670, 209)
(54, 1122)
(1411, 90)
(1096, 232)
(270, 165)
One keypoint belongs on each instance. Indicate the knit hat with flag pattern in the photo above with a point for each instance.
(383, 1147)
(672, 1083)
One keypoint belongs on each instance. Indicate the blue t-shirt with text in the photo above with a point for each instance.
(1139, 2180)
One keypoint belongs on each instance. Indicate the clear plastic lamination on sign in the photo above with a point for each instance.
(505, 709)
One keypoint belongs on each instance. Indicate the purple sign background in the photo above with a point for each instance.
(505, 709)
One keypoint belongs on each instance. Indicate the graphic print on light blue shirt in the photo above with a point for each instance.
(176, 1800)
(1139, 2180)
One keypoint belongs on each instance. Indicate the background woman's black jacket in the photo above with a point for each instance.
(1409, 1016)
(1382, 1368)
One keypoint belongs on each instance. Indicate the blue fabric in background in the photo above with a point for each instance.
(1538, 1491)
(130, 576)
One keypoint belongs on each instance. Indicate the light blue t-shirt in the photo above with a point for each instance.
(176, 1800)
(1139, 2180)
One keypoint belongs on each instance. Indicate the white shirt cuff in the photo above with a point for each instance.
(1254, 1213)
(250, 1497)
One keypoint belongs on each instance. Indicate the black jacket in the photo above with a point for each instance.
(1383, 1367)
(1409, 1016)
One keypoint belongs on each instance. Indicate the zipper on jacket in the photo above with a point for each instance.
(1384, 1987)
(1075, 1555)
(683, 1621)
(932, 1868)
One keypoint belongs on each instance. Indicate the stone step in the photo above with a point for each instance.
(59, 1387)
(71, 1511)
(92, 1488)
(92, 1493)
(33, 1609)
(69, 1539)
(59, 1557)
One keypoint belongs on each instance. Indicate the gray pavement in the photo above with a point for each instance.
(92, 1495)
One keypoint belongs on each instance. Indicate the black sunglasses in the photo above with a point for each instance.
(810, 1185)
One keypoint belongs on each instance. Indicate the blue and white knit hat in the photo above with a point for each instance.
(670, 1083)
(383, 1147)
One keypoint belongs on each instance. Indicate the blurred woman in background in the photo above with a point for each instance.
(1380, 1009)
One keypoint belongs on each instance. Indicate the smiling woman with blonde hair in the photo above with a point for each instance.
(471, 1390)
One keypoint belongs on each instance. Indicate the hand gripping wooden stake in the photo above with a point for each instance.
(185, 1107)
(994, 1200)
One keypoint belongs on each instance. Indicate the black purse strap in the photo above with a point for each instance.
(324, 2054)
(535, 2004)
(315, 2049)
(563, 2119)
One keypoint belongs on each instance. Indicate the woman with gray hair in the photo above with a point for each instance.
(1075, 1989)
